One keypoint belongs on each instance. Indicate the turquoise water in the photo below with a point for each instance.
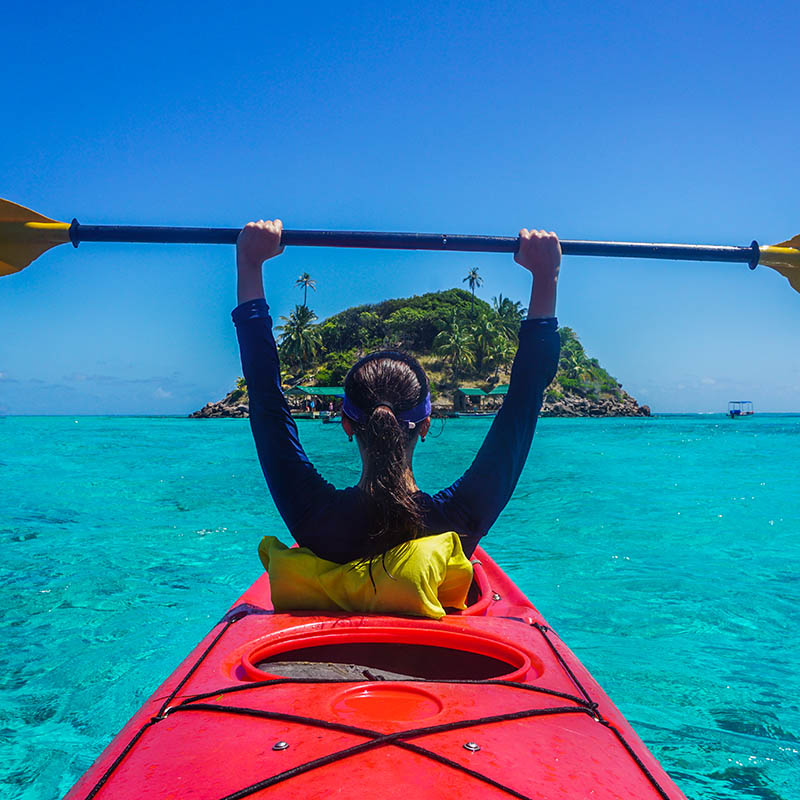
(664, 551)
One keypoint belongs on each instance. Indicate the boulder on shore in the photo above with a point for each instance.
(576, 405)
(234, 404)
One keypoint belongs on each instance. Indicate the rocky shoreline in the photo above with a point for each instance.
(235, 405)
(577, 406)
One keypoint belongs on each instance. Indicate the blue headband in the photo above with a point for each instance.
(413, 416)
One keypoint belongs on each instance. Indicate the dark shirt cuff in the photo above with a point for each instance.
(250, 309)
(539, 324)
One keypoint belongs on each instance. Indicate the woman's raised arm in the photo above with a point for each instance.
(257, 242)
(296, 487)
(476, 499)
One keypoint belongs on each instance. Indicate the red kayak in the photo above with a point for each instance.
(487, 702)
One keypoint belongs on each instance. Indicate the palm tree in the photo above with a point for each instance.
(241, 383)
(485, 335)
(570, 362)
(567, 336)
(573, 360)
(300, 340)
(502, 354)
(306, 282)
(286, 375)
(473, 280)
(509, 313)
(455, 344)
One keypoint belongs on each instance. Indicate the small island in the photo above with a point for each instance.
(466, 345)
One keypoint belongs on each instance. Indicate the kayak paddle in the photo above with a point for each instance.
(26, 234)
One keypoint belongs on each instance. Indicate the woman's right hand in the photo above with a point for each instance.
(540, 253)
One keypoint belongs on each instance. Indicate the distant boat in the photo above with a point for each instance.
(475, 414)
(740, 408)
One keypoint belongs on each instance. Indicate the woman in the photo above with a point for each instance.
(387, 411)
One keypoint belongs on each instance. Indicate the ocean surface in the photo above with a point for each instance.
(664, 551)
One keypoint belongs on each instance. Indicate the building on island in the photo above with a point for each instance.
(317, 400)
(468, 398)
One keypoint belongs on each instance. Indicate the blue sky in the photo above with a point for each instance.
(664, 122)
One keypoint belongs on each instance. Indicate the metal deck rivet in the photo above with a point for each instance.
(280, 746)
(495, 596)
(472, 747)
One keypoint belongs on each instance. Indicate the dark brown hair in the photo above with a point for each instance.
(382, 385)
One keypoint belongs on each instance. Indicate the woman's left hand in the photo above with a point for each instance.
(257, 242)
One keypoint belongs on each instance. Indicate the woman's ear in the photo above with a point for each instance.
(424, 427)
(348, 427)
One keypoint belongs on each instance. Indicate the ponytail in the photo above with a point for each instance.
(396, 517)
(381, 391)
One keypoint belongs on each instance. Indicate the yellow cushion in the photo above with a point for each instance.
(421, 578)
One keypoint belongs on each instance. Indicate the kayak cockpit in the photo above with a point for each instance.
(381, 648)
(385, 661)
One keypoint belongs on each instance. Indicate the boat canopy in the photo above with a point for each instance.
(318, 391)
(472, 391)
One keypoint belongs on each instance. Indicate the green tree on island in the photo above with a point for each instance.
(508, 316)
(439, 329)
(456, 345)
(300, 341)
(485, 335)
(473, 280)
(502, 354)
(306, 282)
(576, 365)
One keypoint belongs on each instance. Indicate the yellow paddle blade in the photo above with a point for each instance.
(785, 258)
(25, 235)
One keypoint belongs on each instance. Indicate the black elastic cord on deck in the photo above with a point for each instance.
(196, 664)
(477, 682)
(587, 706)
(377, 739)
(107, 774)
(138, 735)
(398, 738)
(543, 629)
(448, 762)
(245, 610)
(656, 785)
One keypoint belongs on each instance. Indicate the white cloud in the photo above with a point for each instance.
(161, 394)
(707, 381)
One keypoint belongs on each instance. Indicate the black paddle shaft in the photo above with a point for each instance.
(411, 241)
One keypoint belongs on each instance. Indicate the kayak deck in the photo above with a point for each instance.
(487, 702)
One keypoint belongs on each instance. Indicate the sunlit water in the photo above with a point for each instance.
(664, 551)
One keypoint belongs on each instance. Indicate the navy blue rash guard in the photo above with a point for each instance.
(333, 522)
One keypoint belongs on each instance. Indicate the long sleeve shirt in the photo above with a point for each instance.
(333, 522)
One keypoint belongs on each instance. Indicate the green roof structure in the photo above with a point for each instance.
(318, 391)
(500, 389)
(471, 391)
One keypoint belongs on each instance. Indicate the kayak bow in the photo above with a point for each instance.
(487, 702)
